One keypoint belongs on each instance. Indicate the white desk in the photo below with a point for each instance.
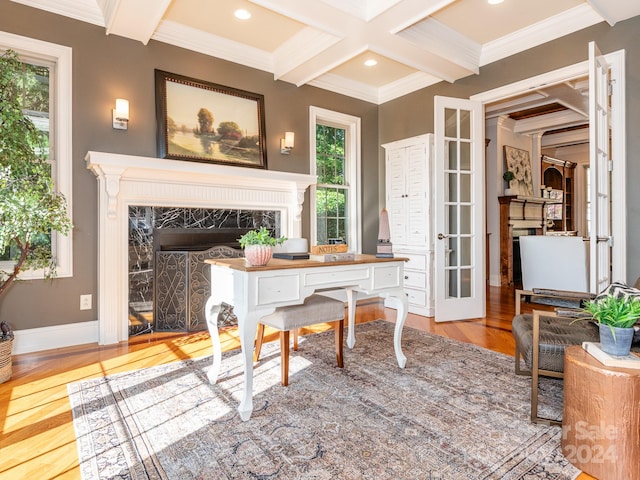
(256, 291)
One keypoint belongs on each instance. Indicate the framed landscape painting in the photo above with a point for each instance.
(205, 122)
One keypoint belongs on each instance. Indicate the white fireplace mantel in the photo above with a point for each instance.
(125, 180)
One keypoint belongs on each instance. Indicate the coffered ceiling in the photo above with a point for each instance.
(325, 43)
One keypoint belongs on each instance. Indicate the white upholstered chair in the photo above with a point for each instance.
(315, 309)
(551, 263)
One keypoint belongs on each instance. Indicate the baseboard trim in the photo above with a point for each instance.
(46, 338)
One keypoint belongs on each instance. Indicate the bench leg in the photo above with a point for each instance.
(284, 356)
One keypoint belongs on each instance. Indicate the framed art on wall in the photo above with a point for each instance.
(205, 122)
(518, 162)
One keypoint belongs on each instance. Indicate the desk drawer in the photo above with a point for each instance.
(417, 297)
(387, 276)
(415, 279)
(415, 261)
(279, 288)
(346, 276)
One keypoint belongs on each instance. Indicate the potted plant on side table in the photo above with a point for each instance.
(616, 318)
(258, 246)
(30, 207)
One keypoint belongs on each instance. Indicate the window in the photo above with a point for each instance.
(335, 159)
(50, 110)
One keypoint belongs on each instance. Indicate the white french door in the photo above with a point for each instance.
(460, 290)
(601, 238)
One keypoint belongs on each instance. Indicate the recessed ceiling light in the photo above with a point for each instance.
(242, 14)
(495, 2)
(371, 62)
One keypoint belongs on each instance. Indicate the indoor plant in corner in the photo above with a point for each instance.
(258, 246)
(616, 318)
(30, 207)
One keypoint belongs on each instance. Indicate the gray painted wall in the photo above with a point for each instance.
(107, 67)
(413, 113)
(110, 67)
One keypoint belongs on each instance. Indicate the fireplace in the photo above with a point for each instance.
(168, 279)
(126, 181)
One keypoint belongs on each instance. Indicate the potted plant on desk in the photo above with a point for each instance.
(258, 246)
(616, 318)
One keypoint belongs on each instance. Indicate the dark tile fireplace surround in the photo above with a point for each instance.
(168, 279)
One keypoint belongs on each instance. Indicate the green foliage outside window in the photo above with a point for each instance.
(30, 207)
(332, 190)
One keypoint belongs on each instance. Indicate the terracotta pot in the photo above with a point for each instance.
(258, 255)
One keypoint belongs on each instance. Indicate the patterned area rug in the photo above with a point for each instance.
(455, 412)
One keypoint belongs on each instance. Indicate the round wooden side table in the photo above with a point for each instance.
(601, 418)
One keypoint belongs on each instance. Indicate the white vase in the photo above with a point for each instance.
(258, 255)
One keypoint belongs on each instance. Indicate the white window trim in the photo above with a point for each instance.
(62, 138)
(353, 162)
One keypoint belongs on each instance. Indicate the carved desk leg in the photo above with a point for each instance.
(352, 296)
(399, 300)
(212, 309)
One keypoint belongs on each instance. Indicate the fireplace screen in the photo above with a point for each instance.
(168, 279)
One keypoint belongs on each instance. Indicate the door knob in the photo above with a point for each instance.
(442, 236)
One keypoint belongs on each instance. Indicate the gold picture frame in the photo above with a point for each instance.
(205, 122)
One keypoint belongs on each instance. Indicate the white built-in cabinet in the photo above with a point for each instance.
(408, 203)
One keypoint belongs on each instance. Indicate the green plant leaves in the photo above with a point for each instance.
(617, 312)
(259, 237)
(30, 207)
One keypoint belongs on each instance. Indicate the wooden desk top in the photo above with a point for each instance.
(281, 264)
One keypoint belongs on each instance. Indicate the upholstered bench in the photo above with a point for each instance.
(315, 309)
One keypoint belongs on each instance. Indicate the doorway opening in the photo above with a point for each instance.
(551, 112)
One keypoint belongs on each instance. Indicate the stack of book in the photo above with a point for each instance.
(331, 253)
(630, 361)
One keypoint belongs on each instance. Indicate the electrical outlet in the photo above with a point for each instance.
(85, 302)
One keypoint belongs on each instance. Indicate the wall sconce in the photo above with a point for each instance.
(286, 143)
(121, 114)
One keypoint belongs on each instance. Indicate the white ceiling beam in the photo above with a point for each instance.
(602, 10)
(569, 97)
(570, 137)
(356, 36)
(551, 121)
(135, 19)
(457, 48)
(300, 48)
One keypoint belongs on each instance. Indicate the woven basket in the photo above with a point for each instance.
(5, 360)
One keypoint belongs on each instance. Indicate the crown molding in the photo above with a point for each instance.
(406, 85)
(88, 12)
(570, 21)
(344, 86)
(208, 44)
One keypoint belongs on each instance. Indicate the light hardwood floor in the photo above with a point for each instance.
(37, 439)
